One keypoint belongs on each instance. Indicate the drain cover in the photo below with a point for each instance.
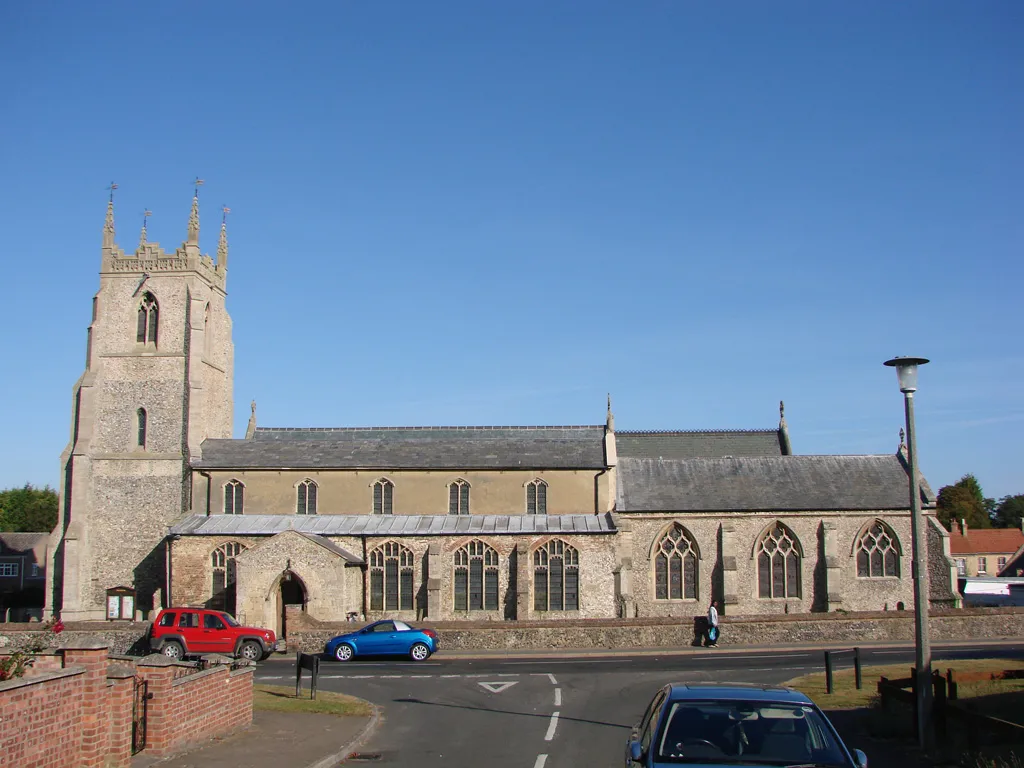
(363, 757)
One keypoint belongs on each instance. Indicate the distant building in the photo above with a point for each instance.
(984, 551)
(160, 504)
(22, 575)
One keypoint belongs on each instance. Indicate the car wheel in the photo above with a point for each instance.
(419, 652)
(250, 651)
(172, 650)
(344, 652)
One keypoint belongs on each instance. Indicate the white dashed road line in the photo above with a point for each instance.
(551, 727)
(552, 679)
(558, 697)
(541, 759)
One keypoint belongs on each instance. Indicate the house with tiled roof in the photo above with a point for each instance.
(159, 498)
(984, 551)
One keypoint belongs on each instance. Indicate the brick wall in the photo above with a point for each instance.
(80, 714)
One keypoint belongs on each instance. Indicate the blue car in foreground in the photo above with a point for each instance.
(384, 638)
(735, 724)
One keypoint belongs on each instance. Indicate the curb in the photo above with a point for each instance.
(339, 757)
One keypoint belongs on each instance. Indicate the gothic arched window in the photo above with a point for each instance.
(458, 498)
(476, 578)
(391, 583)
(536, 497)
(223, 561)
(234, 497)
(305, 498)
(675, 566)
(556, 577)
(383, 497)
(778, 563)
(140, 423)
(149, 314)
(878, 552)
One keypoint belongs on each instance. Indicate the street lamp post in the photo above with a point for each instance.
(906, 371)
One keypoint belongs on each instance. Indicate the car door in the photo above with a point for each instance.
(191, 632)
(644, 730)
(378, 638)
(215, 634)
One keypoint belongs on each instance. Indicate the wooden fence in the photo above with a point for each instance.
(950, 717)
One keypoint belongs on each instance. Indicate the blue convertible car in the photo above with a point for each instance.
(384, 638)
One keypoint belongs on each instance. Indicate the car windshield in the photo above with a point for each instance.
(229, 620)
(748, 733)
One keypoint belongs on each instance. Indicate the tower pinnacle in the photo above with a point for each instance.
(193, 217)
(142, 236)
(610, 418)
(222, 245)
(108, 224)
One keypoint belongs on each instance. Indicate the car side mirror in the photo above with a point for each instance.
(860, 759)
(636, 752)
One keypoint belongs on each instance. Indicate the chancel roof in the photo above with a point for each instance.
(463, 448)
(390, 525)
(771, 483)
(685, 444)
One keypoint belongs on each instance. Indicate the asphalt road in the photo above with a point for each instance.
(549, 712)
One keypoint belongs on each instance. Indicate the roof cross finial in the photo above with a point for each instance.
(197, 183)
(112, 187)
(142, 237)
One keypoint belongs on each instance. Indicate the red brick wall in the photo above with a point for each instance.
(189, 709)
(77, 716)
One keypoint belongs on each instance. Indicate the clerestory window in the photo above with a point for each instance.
(458, 498)
(383, 497)
(537, 497)
(305, 498)
(234, 497)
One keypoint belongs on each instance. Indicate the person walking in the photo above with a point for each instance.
(713, 625)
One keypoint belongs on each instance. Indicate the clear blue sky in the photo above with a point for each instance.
(495, 213)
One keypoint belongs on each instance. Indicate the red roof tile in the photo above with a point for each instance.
(986, 541)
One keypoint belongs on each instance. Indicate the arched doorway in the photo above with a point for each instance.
(291, 593)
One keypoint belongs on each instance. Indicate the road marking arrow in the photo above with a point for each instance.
(498, 687)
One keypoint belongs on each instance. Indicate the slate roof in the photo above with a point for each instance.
(775, 483)
(698, 444)
(21, 542)
(462, 448)
(390, 525)
(986, 541)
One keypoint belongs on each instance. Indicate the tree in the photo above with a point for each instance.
(1009, 511)
(963, 501)
(28, 509)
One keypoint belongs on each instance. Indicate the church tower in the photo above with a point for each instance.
(157, 382)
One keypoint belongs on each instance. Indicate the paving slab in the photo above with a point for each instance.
(274, 740)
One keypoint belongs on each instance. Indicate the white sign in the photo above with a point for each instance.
(498, 687)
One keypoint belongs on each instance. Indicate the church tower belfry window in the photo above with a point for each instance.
(148, 320)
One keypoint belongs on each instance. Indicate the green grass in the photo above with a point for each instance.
(281, 698)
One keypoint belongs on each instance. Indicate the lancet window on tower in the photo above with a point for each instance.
(148, 320)
(141, 423)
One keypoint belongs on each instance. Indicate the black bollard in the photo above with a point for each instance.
(856, 666)
(828, 672)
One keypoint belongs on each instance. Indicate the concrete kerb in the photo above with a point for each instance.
(332, 760)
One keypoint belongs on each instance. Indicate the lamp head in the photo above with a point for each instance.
(906, 371)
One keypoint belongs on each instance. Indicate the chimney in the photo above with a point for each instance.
(963, 527)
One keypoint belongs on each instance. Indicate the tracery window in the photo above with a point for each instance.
(391, 582)
(878, 552)
(675, 566)
(148, 319)
(476, 578)
(458, 498)
(224, 576)
(383, 497)
(537, 497)
(305, 498)
(140, 423)
(778, 563)
(234, 497)
(556, 577)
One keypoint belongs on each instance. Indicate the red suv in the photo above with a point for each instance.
(180, 632)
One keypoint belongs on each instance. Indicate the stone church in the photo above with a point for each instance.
(160, 505)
